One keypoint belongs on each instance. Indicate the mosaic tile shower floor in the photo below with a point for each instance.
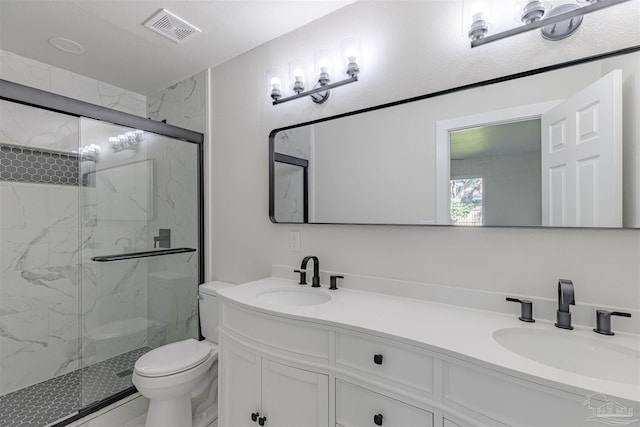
(52, 400)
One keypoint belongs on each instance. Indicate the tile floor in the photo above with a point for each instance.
(52, 400)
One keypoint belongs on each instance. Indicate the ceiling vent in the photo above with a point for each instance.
(170, 26)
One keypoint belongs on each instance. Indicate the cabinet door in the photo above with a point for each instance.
(239, 385)
(293, 397)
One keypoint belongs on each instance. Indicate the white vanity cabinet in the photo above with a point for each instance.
(255, 390)
(239, 385)
(300, 369)
(263, 370)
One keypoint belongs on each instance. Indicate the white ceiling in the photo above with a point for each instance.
(120, 51)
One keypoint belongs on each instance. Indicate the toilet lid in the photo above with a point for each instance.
(174, 358)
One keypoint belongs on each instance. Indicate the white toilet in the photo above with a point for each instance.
(174, 375)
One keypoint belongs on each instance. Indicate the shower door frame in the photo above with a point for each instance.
(32, 97)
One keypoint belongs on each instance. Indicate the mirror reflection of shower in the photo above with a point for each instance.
(129, 140)
(89, 153)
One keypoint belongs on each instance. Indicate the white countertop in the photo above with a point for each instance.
(459, 332)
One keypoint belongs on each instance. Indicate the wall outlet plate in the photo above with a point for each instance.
(294, 241)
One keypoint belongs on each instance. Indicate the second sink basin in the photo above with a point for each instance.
(293, 297)
(574, 353)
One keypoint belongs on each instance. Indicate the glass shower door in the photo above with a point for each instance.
(139, 233)
(39, 301)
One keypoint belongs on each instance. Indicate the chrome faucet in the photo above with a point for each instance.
(315, 281)
(565, 298)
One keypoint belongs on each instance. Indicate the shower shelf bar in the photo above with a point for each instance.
(145, 254)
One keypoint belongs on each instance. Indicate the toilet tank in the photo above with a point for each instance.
(208, 307)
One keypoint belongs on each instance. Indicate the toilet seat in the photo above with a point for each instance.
(174, 358)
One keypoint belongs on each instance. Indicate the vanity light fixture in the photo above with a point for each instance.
(323, 72)
(555, 23)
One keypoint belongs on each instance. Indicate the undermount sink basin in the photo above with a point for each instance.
(294, 297)
(574, 353)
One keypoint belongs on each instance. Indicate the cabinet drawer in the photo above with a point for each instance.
(511, 401)
(292, 336)
(403, 364)
(357, 407)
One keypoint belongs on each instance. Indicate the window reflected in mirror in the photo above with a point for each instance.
(466, 201)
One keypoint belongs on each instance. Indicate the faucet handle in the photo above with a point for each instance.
(526, 309)
(333, 281)
(303, 276)
(603, 321)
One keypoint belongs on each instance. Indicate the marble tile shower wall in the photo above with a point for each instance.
(182, 104)
(42, 76)
(40, 268)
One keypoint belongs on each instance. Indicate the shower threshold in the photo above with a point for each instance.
(56, 401)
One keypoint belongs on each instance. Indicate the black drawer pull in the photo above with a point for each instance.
(261, 420)
(254, 416)
(377, 359)
(377, 419)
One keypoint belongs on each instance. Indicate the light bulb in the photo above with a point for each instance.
(479, 21)
(479, 10)
(352, 56)
(323, 66)
(296, 76)
(274, 84)
(275, 87)
(532, 11)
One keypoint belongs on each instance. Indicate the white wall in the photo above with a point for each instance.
(410, 48)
